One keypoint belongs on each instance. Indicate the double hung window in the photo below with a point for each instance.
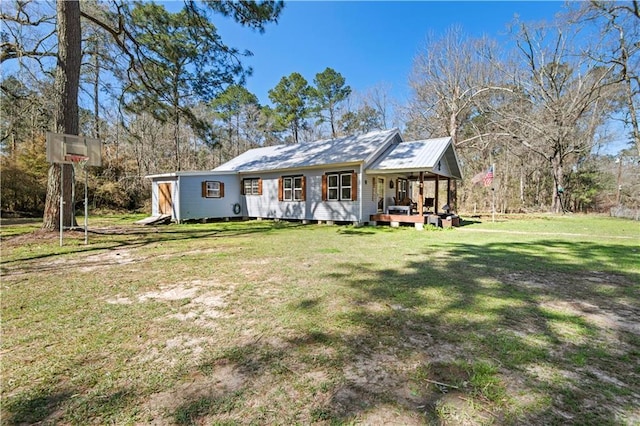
(292, 188)
(212, 189)
(252, 186)
(339, 186)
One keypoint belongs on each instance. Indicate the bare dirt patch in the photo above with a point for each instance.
(37, 236)
(385, 414)
(108, 258)
(191, 345)
(176, 292)
(205, 300)
(626, 320)
(205, 303)
(582, 295)
(222, 380)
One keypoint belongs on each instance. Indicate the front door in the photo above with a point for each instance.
(164, 198)
(380, 194)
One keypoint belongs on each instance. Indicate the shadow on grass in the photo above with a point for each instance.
(35, 407)
(46, 406)
(116, 238)
(506, 333)
(522, 308)
(524, 333)
(467, 221)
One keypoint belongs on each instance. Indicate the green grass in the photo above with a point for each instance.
(530, 321)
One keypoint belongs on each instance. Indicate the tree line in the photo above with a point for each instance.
(165, 93)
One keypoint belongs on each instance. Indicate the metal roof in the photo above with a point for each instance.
(351, 149)
(416, 156)
(380, 151)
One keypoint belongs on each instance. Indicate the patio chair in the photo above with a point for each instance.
(429, 202)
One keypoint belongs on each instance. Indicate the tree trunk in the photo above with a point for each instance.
(176, 121)
(295, 131)
(66, 116)
(558, 178)
(96, 94)
(635, 131)
(522, 185)
(176, 138)
(237, 131)
(332, 119)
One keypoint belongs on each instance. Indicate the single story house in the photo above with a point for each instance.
(359, 179)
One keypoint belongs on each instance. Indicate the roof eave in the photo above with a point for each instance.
(189, 173)
(399, 171)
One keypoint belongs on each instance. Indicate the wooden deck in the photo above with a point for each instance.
(432, 219)
(402, 218)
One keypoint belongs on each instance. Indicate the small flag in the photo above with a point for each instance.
(488, 177)
(478, 178)
(485, 177)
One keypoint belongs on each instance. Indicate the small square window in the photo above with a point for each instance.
(212, 189)
(251, 186)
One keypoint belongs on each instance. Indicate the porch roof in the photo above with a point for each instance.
(435, 156)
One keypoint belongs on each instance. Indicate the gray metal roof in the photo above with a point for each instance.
(384, 148)
(351, 149)
(416, 156)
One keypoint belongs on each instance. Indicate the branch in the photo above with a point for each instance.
(482, 136)
(120, 36)
(44, 20)
(12, 51)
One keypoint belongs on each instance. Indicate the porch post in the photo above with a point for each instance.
(421, 195)
(449, 192)
(436, 200)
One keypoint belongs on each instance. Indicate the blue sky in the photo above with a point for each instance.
(369, 43)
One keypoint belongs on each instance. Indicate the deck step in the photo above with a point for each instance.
(154, 220)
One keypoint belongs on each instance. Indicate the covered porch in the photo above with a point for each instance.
(419, 205)
(414, 183)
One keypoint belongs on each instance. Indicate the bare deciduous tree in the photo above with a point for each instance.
(617, 46)
(448, 77)
(557, 102)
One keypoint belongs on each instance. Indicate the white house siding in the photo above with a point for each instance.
(268, 206)
(444, 169)
(194, 206)
(369, 199)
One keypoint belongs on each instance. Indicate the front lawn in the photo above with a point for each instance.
(526, 321)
